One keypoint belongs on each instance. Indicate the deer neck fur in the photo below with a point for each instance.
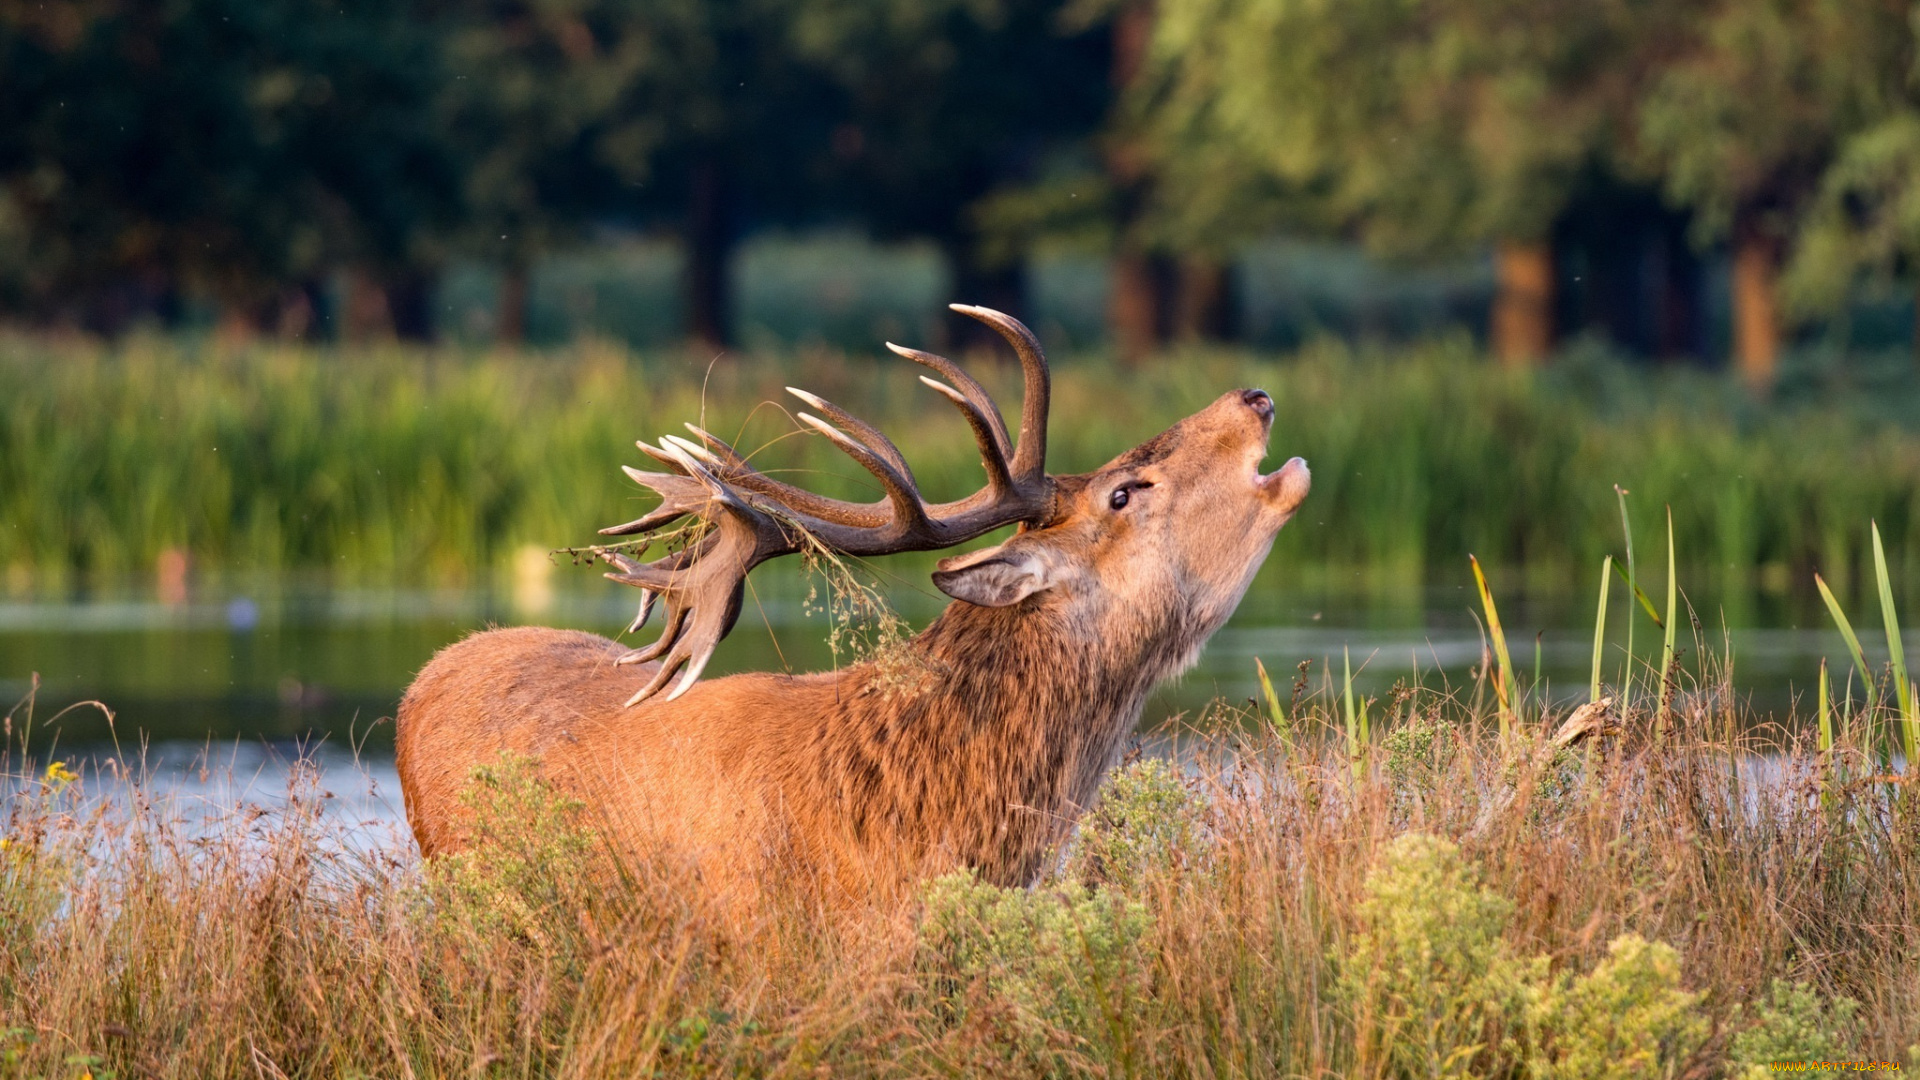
(983, 742)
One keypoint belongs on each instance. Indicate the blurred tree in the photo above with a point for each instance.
(532, 110)
(224, 150)
(726, 118)
(1864, 224)
(950, 105)
(1764, 101)
(1422, 129)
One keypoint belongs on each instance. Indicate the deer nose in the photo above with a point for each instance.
(1259, 402)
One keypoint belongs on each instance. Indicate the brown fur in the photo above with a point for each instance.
(1011, 710)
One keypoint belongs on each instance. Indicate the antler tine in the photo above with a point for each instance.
(992, 456)
(679, 496)
(658, 455)
(869, 436)
(909, 511)
(742, 475)
(1030, 460)
(976, 394)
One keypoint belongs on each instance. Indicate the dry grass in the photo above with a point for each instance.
(1256, 913)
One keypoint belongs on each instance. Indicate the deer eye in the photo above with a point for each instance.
(1123, 494)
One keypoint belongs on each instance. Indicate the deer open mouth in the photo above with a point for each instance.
(1287, 485)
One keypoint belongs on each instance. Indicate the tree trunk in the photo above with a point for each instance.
(1756, 307)
(510, 325)
(364, 316)
(1207, 305)
(299, 312)
(709, 242)
(410, 305)
(1523, 303)
(1138, 305)
(1677, 330)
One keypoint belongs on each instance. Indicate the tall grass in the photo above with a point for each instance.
(1446, 903)
(390, 462)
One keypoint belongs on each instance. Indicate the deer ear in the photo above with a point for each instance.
(994, 577)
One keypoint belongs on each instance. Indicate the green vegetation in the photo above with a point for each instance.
(1681, 895)
(442, 464)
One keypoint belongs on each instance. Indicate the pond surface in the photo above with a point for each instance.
(288, 663)
(217, 692)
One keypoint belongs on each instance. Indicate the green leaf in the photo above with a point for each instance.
(1503, 685)
(1600, 628)
(1853, 642)
(1645, 602)
(1274, 709)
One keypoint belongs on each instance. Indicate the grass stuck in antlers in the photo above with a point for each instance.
(1285, 894)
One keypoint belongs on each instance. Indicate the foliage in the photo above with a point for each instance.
(1054, 971)
(1792, 1022)
(1145, 824)
(1430, 978)
(1427, 128)
(1750, 113)
(222, 149)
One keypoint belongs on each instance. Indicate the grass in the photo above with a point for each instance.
(1685, 894)
(441, 465)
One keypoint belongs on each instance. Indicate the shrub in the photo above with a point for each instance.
(1437, 990)
(1627, 1018)
(1791, 1023)
(530, 870)
(1429, 979)
(1146, 823)
(1049, 971)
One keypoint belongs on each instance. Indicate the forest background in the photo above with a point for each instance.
(1705, 180)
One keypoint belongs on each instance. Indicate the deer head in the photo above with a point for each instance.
(1167, 536)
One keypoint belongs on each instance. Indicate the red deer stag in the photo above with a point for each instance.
(1025, 688)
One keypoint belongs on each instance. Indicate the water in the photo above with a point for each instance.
(276, 666)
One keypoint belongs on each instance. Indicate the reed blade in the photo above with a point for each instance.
(1852, 640)
(1274, 710)
(1646, 602)
(1353, 722)
(1633, 590)
(1503, 685)
(1600, 627)
(1673, 581)
(1902, 689)
(1826, 710)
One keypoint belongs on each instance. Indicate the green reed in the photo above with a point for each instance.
(441, 464)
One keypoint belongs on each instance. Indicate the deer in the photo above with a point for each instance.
(857, 782)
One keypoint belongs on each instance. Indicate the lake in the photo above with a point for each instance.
(288, 660)
(222, 688)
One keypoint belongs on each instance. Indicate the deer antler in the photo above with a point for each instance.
(743, 517)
